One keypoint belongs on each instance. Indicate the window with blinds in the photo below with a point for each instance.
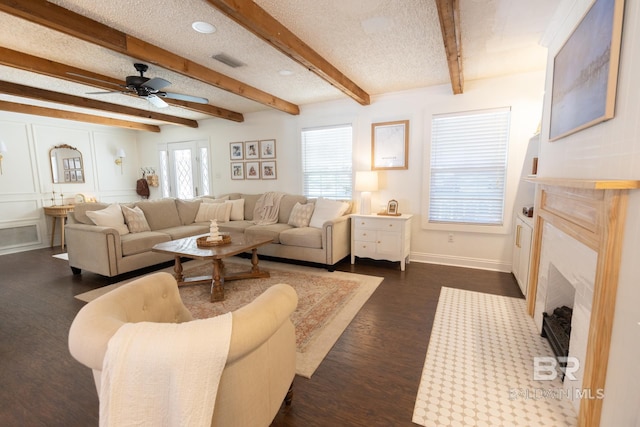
(468, 167)
(327, 162)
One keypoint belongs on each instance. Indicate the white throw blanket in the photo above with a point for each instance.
(164, 374)
(267, 208)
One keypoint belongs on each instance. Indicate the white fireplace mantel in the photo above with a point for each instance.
(592, 212)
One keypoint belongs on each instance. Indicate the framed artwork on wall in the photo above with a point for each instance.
(268, 170)
(585, 71)
(252, 170)
(235, 150)
(251, 150)
(268, 149)
(237, 170)
(390, 145)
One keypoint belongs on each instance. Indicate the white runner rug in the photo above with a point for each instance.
(479, 367)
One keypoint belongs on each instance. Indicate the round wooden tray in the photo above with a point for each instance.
(202, 241)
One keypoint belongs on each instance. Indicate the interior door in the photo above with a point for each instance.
(187, 169)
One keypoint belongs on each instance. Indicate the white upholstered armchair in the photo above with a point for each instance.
(260, 365)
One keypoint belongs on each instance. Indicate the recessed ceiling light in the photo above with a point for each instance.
(285, 72)
(203, 27)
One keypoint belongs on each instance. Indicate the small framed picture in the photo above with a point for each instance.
(79, 176)
(237, 170)
(67, 176)
(268, 149)
(77, 163)
(65, 164)
(252, 170)
(73, 176)
(268, 170)
(251, 150)
(392, 207)
(235, 150)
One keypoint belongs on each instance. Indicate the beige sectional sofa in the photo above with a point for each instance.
(112, 250)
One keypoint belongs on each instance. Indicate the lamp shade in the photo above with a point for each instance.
(121, 153)
(366, 181)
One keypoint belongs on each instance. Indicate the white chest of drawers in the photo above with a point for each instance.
(381, 237)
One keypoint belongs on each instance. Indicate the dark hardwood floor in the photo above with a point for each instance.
(370, 377)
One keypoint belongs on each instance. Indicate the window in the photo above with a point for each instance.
(327, 162)
(468, 167)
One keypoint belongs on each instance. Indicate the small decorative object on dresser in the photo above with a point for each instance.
(392, 209)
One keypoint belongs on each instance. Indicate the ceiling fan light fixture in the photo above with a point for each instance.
(203, 27)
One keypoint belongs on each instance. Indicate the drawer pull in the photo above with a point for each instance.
(390, 225)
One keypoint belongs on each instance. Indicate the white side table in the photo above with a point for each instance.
(381, 237)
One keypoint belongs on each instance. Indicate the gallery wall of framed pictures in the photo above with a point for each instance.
(253, 159)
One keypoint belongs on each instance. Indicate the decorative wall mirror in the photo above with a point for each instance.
(67, 166)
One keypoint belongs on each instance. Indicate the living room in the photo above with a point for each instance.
(605, 151)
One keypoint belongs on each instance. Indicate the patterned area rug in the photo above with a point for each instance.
(327, 302)
(479, 367)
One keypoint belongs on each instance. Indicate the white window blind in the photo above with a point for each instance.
(327, 162)
(468, 167)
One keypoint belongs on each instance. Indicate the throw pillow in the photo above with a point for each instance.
(218, 211)
(135, 220)
(237, 209)
(111, 216)
(187, 210)
(219, 200)
(301, 214)
(326, 210)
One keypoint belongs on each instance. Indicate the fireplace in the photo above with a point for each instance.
(556, 327)
(576, 250)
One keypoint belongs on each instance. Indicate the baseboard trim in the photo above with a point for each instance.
(456, 261)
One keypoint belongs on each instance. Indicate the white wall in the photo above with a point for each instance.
(482, 250)
(609, 150)
(26, 183)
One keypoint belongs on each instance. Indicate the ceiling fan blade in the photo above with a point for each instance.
(156, 101)
(156, 83)
(181, 97)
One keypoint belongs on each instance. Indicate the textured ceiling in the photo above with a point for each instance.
(381, 45)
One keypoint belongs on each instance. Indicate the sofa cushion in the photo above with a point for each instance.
(250, 205)
(271, 231)
(287, 203)
(187, 210)
(237, 209)
(137, 243)
(213, 211)
(111, 216)
(235, 226)
(306, 237)
(161, 213)
(326, 210)
(80, 211)
(301, 215)
(135, 220)
(186, 230)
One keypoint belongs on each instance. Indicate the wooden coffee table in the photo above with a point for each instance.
(188, 248)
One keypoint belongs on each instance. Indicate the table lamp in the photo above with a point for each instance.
(366, 182)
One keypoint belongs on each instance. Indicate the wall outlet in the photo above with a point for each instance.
(450, 238)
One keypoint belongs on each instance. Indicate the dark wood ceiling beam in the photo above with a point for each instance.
(449, 14)
(70, 115)
(255, 19)
(60, 19)
(76, 101)
(23, 61)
